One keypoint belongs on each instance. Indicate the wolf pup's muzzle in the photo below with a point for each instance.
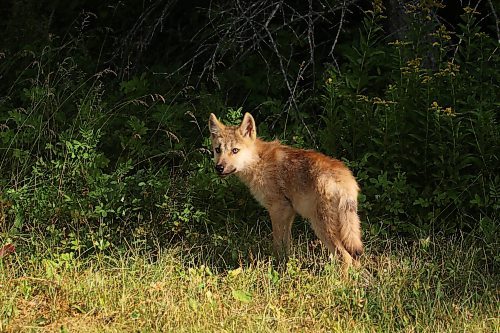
(219, 168)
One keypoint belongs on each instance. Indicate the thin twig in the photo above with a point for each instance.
(496, 19)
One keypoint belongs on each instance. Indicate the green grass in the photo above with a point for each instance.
(422, 286)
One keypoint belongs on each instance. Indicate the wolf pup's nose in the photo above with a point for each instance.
(219, 168)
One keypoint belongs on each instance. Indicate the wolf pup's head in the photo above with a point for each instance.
(233, 146)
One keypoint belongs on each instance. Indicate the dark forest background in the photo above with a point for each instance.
(104, 105)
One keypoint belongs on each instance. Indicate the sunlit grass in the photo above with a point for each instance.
(427, 286)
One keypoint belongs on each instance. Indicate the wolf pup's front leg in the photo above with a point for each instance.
(282, 216)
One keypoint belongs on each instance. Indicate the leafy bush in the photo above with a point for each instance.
(418, 118)
(80, 168)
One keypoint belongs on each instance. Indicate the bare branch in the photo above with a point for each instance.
(493, 10)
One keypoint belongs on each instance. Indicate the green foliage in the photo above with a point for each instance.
(419, 135)
(97, 152)
(80, 169)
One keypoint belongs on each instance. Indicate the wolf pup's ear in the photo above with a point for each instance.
(247, 127)
(214, 125)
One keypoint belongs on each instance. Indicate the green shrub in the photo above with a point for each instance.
(418, 118)
(82, 170)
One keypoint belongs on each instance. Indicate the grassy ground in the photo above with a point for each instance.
(423, 286)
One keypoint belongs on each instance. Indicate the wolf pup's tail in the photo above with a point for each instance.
(349, 225)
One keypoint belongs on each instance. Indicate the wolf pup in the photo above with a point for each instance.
(287, 181)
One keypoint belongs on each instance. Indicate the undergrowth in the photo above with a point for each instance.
(90, 160)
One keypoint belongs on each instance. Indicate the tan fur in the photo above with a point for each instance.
(289, 181)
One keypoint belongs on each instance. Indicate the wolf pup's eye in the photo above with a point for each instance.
(235, 150)
(217, 150)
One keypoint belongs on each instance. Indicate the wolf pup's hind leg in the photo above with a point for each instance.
(325, 227)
